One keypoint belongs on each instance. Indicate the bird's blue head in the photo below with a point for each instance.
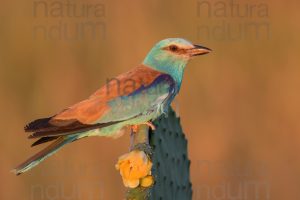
(171, 56)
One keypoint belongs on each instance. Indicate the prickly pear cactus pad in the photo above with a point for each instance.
(170, 163)
(171, 166)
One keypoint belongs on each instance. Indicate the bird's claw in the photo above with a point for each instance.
(151, 125)
(135, 127)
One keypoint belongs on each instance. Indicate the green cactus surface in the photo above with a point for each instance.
(171, 166)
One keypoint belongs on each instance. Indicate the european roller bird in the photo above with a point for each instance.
(131, 99)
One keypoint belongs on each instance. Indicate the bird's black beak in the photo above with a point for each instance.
(199, 50)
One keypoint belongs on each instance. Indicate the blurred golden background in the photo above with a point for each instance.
(239, 106)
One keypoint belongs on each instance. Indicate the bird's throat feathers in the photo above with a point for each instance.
(165, 63)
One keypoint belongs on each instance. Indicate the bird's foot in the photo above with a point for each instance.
(151, 125)
(135, 128)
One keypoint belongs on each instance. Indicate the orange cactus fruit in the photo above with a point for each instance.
(147, 181)
(133, 167)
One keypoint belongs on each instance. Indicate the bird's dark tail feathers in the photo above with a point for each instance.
(42, 155)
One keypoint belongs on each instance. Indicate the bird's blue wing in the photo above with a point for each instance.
(152, 98)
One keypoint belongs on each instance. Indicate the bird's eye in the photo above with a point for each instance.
(173, 48)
